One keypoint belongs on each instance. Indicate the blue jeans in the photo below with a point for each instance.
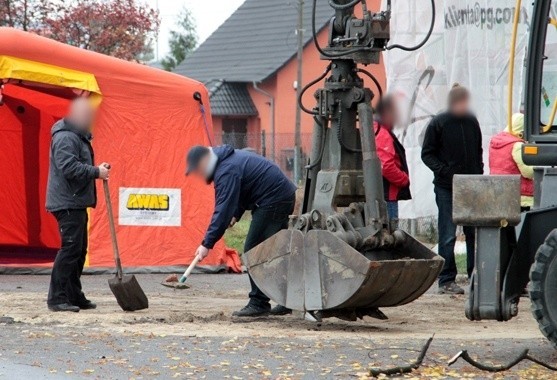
(266, 221)
(447, 237)
(392, 209)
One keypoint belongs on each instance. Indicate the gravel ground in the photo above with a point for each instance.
(190, 334)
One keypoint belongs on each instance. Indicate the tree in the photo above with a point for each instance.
(120, 28)
(28, 15)
(182, 41)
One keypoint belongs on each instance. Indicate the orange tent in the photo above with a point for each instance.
(147, 120)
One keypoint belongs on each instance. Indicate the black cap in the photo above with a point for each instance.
(195, 155)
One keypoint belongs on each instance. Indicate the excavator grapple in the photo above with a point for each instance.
(342, 256)
(319, 271)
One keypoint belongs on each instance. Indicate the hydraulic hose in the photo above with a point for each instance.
(511, 63)
(341, 7)
(307, 87)
(339, 134)
(424, 41)
(375, 81)
(316, 43)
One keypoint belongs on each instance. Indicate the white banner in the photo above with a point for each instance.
(470, 46)
(150, 207)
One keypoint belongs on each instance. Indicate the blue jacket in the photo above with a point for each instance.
(243, 181)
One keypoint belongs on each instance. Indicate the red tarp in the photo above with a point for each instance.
(147, 121)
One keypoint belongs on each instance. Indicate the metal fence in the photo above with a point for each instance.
(424, 229)
(261, 143)
(281, 152)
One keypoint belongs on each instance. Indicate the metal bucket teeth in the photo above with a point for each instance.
(318, 271)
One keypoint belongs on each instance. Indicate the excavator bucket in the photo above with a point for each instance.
(318, 271)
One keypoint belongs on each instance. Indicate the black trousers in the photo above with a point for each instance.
(266, 221)
(65, 283)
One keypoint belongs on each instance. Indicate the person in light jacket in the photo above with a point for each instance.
(505, 157)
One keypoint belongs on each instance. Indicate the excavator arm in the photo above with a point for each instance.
(341, 255)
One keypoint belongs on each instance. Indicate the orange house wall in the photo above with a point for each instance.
(281, 87)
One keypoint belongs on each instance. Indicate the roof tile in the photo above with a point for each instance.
(255, 42)
(230, 99)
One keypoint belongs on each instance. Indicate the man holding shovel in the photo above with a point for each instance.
(70, 191)
(244, 181)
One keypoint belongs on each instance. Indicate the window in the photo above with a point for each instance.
(234, 132)
(549, 75)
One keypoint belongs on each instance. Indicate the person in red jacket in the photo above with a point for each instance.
(505, 157)
(396, 181)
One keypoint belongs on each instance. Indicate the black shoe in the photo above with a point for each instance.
(64, 307)
(280, 310)
(450, 288)
(252, 311)
(87, 305)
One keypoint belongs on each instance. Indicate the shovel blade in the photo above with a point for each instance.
(175, 285)
(128, 293)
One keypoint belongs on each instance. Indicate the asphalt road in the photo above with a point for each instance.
(206, 344)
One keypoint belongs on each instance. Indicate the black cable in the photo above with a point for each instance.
(307, 86)
(321, 151)
(339, 133)
(403, 369)
(316, 43)
(375, 81)
(341, 7)
(431, 26)
(499, 368)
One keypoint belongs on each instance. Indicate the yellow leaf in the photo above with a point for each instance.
(394, 356)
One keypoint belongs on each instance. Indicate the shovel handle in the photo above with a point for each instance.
(189, 270)
(112, 230)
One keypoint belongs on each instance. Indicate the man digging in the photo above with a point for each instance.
(244, 181)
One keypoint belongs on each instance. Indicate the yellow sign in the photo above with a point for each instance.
(151, 202)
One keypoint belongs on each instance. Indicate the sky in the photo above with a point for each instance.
(209, 15)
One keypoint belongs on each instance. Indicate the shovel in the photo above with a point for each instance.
(181, 283)
(126, 289)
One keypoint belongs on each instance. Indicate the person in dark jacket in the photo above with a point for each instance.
(396, 181)
(70, 191)
(244, 181)
(453, 145)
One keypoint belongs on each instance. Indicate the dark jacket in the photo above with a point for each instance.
(72, 174)
(453, 145)
(243, 181)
